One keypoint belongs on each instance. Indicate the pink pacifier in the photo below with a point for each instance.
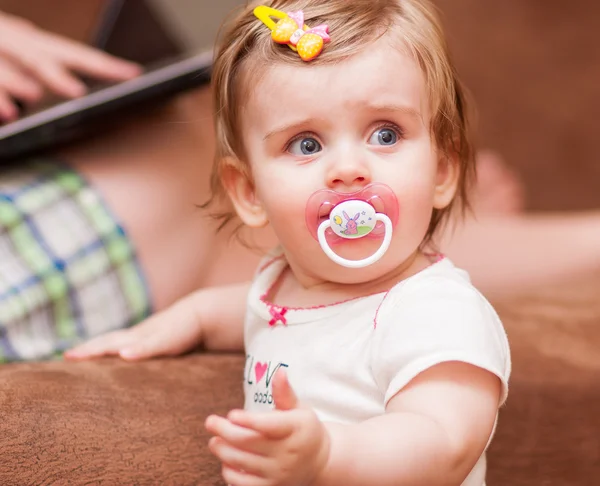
(333, 217)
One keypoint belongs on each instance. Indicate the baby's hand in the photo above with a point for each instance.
(169, 333)
(289, 446)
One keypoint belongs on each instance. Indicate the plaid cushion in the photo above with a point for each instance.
(67, 268)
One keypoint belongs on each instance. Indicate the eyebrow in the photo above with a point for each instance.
(387, 108)
(382, 108)
(289, 127)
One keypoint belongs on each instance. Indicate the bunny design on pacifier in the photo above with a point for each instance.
(333, 217)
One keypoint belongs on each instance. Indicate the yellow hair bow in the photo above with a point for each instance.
(291, 30)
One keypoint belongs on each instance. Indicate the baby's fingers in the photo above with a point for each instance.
(154, 344)
(253, 465)
(105, 345)
(162, 335)
(275, 425)
(236, 435)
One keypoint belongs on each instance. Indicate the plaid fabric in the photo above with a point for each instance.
(67, 269)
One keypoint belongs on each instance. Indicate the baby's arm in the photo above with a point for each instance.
(433, 433)
(441, 358)
(213, 317)
(220, 313)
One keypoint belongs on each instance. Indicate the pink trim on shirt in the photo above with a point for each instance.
(263, 299)
(269, 263)
(277, 315)
(379, 307)
(268, 303)
(434, 257)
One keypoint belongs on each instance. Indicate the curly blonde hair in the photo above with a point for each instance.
(246, 43)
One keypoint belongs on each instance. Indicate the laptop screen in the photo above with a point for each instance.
(152, 31)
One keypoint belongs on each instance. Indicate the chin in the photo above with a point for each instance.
(357, 250)
(355, 276)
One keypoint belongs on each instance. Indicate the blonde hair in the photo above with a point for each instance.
(245, 50)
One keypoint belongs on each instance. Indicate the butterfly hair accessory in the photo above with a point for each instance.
(290, 29)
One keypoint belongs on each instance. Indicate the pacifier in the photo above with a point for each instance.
(333, 217)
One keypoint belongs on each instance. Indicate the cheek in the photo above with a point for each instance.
(277, 187)
(416, 208)
(415, 202)
(284, 203)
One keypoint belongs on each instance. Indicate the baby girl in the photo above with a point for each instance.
(370, 357)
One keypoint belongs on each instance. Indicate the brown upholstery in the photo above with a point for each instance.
(530, 66)
(548, 431)
(532, 69)
(110, 422)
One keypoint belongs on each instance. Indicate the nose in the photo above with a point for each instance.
(348, 174)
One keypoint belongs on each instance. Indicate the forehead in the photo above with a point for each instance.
(380, 75)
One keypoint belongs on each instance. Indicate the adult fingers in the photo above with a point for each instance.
(17, 84)
(55, 77)
(8, 110)
(92, 62)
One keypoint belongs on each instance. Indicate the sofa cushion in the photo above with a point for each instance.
(122, 423)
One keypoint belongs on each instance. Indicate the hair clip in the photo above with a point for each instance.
(291, 30)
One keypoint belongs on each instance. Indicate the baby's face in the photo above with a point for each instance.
(343, 126)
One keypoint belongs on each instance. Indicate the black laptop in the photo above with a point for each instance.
(150, 32)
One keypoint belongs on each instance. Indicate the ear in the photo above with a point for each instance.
(448, 170)
(240, 189)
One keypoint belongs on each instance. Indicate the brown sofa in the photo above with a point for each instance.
(109, 422)
(529, 65)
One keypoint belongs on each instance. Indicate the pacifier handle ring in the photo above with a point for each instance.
(356, 263)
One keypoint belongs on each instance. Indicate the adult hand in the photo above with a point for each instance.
(33, 60)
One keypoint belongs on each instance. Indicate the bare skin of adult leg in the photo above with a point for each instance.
(511, 253)
(507, 250)
(153, 171)
(499, 189)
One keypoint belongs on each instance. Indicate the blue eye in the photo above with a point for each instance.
(384, 136)
(305, 146)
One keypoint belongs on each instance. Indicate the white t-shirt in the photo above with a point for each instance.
(348, 359)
